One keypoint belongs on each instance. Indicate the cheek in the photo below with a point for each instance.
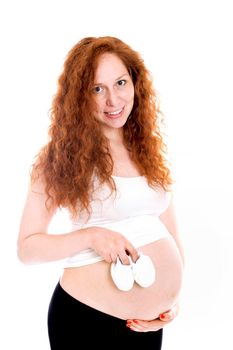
(129, 96)
(99, 104)
(131, 99)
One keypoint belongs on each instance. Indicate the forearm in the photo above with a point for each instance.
(42, 247)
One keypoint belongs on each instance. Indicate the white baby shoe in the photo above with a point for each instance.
(122, 275)
(144, 271)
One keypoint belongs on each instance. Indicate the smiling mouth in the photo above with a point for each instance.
(114, 114)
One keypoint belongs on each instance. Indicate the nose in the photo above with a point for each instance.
(112, 98)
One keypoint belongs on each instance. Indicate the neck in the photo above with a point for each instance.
(114, 135)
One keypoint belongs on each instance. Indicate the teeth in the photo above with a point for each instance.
(114, 113)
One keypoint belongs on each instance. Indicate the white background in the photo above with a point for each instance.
(187, 45)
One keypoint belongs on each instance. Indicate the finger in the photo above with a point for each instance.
(167, 316)
(170, 314)
(130, 250)
(145, 326)
(136, 326)
(107, 258)
(113, 257)
(124, 258)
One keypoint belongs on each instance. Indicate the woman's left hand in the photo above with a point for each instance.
(153, 325)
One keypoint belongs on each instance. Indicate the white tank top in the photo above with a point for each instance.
(133, 211)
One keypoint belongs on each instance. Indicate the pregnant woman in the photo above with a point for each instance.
(105, 162)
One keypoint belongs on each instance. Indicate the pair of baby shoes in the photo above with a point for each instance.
(142, 272)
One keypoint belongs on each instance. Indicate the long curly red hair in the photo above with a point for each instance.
(77, 147)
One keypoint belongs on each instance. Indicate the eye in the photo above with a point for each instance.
(97, 89)
(121, 82)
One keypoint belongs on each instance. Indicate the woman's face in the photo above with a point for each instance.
(113, 92)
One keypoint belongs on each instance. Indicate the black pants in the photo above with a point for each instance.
(72, 323)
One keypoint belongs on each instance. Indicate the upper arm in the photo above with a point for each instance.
(169, 219)
(36, 216)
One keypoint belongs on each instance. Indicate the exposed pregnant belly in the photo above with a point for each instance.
(92, 284)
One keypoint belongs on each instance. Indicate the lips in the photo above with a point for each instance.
(114, 114)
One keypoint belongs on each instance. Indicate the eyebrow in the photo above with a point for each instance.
(119, 78)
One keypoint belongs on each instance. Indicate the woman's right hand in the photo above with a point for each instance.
(111, 245)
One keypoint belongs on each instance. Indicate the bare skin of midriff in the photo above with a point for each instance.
(92, 284)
